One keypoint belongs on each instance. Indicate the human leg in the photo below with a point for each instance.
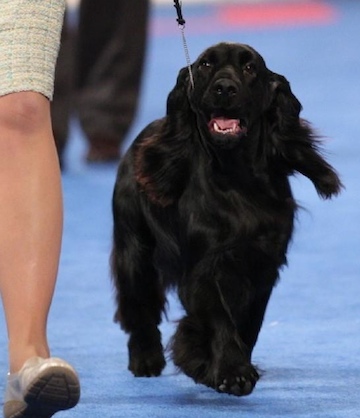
(110, 70)
(31, 209)
(30, 222)
(30, 240)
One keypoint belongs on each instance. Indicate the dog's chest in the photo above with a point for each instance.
(216, 208)
(211, 220)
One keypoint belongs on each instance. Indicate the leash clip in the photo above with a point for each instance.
(181, 23)
(180, 19)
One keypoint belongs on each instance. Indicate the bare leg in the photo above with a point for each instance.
(30, 222)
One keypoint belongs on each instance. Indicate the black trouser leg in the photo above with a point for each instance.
(110, 58)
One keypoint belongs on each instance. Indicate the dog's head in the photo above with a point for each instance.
(239, 111)
(233, 90)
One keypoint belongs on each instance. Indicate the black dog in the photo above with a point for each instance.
(202, 202)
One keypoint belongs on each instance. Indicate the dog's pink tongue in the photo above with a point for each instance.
(224, 123)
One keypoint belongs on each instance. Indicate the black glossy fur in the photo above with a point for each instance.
(202, 202)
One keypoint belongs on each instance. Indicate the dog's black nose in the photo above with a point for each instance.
(225, 87)
(225, 91)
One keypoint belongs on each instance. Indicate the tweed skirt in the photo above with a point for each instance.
(29, 44)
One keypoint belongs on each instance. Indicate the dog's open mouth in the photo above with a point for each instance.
(227, 126)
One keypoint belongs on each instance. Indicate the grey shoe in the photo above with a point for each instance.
(41, 388)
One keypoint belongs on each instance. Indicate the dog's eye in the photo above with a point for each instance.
(205, 63)
(250, 68)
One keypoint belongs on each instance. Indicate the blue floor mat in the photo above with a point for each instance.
(309, 347)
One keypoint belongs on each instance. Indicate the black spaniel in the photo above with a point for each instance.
(202, 203)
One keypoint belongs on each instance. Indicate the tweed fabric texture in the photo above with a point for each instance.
(29, 43)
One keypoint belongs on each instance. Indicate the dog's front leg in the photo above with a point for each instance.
(139, 295)
(207, 345)
(214, 355)
(233, 372)
(140, 304)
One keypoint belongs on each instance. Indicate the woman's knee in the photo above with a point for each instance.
(24, 112)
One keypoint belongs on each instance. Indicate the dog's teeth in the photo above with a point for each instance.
(223, 131)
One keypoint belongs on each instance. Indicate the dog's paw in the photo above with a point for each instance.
(239, 382)
(146, 354)
(147, 364)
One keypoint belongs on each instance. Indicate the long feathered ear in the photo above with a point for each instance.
(283, 125)
(162, 159)
(294, 145)
(284, 108)
(178, 100)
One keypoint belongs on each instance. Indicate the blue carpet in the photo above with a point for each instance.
(309, 346)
